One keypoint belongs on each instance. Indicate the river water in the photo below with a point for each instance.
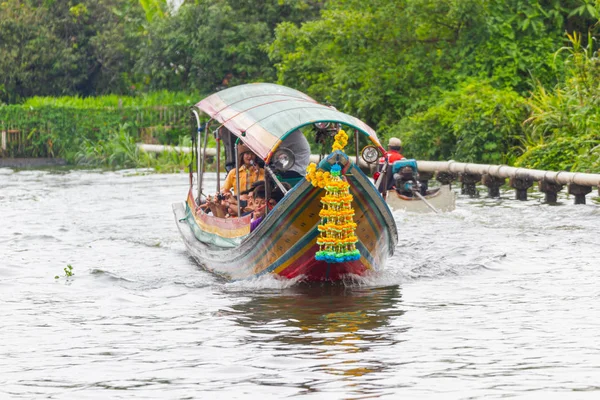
(497, 299)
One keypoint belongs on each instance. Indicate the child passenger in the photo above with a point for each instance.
(261, 205)
(246, 204)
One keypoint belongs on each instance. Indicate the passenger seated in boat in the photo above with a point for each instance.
(261, 204)
(214, 205)
(206, 206)
(249, 207)
(245, 203)
(249, 171)
(393, 155)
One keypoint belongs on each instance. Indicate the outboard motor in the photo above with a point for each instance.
(405, 176)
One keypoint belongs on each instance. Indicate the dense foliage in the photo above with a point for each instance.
(474, 123)
(55, 47)
(59, 131)
(563, 131)
(473, 80)
(211, 44)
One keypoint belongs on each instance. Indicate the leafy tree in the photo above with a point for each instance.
(517, 40)
(35, 59)
(67, 47)
(113, 46)
(364, 57)
(474, 123)
(210, 44)
(387, 59)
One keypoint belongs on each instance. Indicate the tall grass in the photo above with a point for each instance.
(119, 150)
(154, 99)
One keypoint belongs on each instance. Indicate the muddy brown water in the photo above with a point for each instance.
(497, 299)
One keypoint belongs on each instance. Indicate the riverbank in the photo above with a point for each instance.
(32, 162)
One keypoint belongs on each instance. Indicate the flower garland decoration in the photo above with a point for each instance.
(337, 239)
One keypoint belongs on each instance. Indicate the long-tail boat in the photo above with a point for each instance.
(331, 223)
(408, 193)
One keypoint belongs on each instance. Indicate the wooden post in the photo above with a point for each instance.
(579, 191)
(520, 185)
(424, 178)
(493, 184)
(468, 184)
(3, 140)
(445, 178)
(550, 189)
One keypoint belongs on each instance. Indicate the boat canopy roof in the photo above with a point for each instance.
(263, 114)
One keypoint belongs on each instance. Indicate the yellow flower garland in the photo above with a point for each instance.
(337, 239)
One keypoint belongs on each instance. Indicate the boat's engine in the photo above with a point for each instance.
(405, 181)
(405, 177)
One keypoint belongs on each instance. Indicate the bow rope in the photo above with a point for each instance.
(337, 239)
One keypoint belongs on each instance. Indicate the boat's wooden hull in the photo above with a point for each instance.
(443, 200)
(284, 244)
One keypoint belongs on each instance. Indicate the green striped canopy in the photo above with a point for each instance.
(263, 114)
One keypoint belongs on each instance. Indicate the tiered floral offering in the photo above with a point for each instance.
(337, 239)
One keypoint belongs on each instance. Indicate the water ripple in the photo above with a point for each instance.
(497, 299)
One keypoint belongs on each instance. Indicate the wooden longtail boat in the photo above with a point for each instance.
(404, 190)
(441, 199)
(289, 241)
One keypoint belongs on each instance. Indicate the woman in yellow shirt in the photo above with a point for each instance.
(250, 172)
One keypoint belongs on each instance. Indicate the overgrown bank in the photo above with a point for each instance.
(488, 81)
(98, 131)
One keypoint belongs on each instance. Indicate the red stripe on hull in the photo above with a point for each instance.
(314, 270)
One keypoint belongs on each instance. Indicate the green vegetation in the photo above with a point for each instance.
(119, 150)
(159, 98)
(68, 272)
(71, 47)
(563, 131)
(491, 81)
(474, 123)
(59, 131)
